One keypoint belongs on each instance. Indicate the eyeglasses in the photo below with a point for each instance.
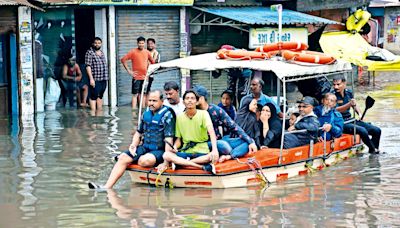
(302, 106)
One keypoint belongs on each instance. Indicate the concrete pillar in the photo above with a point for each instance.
(184, 47)
(26, 60)
(112, 86)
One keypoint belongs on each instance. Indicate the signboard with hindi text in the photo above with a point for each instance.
(260, 36)
(138, 2)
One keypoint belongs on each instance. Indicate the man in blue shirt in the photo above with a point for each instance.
(329, 118)
(232, 147)
(256, 87)
(157, 125)
(345, 101)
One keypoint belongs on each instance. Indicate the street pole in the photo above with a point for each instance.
(279, 8)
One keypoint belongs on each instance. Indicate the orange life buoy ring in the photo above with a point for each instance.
(282, 46)
(241, 54)
(308, 57)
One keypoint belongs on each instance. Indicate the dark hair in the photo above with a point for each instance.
(339, 77)
(140, 38)
(171, 85)
(296, 114)
(260, 81)
(229, 92)
(97, 38)
(151, 39)
(190, 91)
(158, 91)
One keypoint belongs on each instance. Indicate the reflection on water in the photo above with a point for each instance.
(47, 159)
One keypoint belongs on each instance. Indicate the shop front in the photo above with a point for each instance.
(245, 27)
(59, 33)
(160, 23)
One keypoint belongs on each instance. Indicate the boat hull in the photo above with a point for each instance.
(244, 178)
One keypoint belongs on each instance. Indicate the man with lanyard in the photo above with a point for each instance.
(140, 58)
(151, 47)
(173, 100)
(306, 121)
(227, 145)
(345, 101)
(256, 87)
(97, 70)
(329, 118)
(157, 125)
(193, 127)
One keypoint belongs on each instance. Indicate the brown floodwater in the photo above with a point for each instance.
(47, 160)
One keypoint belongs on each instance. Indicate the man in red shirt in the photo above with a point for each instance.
(139, 57)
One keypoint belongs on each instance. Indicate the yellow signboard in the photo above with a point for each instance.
(138, 2)
(260, 36)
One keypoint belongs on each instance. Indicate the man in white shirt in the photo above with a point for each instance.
(173, 100)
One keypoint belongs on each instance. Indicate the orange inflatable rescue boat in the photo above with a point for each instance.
(263, 167)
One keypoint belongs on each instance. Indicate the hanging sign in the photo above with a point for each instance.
(260, 36)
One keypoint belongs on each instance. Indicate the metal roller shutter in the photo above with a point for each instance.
(160, 23)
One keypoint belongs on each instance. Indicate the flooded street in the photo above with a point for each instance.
(46, 162)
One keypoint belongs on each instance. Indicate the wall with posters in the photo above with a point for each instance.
(392, 29)
(26, 60)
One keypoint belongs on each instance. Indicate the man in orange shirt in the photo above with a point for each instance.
(139, 57)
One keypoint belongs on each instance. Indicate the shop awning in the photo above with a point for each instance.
(259, 15)
(19, 2)
(353, 48)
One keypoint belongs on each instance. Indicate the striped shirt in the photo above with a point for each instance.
(98, 64)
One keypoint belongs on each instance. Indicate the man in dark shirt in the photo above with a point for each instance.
(227, 145)
(306, 121)
(345, 101)
(97, 70)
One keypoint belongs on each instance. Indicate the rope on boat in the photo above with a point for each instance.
(256, 167)
(148, 176)
(158, 178)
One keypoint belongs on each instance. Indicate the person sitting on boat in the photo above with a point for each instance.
(306, 121)
(232, 147)
(173, 100)
(270, 127)
(345, 101)
(329, 118)
(292, 120)
(261, 123)
(227, 103)
(256, 87)
(192, 127)
(157, 125)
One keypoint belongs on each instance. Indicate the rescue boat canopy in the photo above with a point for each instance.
(282, 69)
(353, 48)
